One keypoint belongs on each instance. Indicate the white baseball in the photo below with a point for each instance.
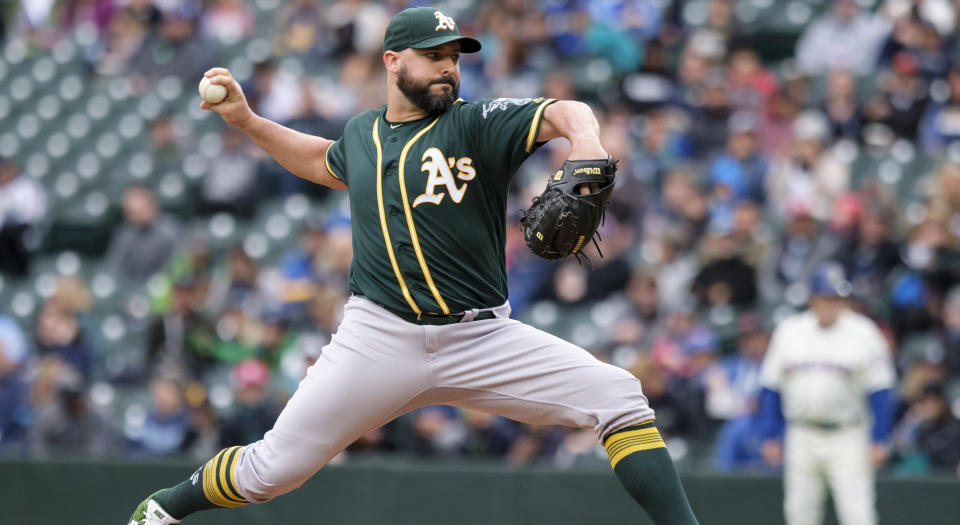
(212, 93)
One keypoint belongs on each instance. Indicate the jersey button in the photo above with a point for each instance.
(392, 139)
(394, 210)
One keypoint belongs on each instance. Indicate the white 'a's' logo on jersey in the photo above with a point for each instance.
(439, 173)
(445, 22)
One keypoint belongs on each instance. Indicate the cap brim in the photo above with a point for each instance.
(467, 44)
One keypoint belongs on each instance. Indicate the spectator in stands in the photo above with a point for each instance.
(951, 332)
(738, 173)
(579, 284)
(638, 310)
(809, 174)
(919, 38)
(146, 12)
(684, 348)
(663, 143)
(173, 50)
(146, 240)
(489, 436)
(938, 431)
(752, 234)
(70, 423)
(776, 134)
(237, 285)
(845, 38)
(227, 22)
(732, 387)
(254, 412)
(677, 417)
(180, 341)
(438, 432)
(709, 118)
(722, 22)
(275, 93)
(167, 429)
(870, 253)
(681, 211)
(940, 125)
(751, 85)
(802, 246)
(15, 413)
(700, 348)
(895, 109)
(59, 334)
(928, 254)
(298, 279)
(537, 444)
(841, 105)
(98, 13)
(124, 36)
(167, 149)
(945, 196)
(725, 278)
(296, 27)
(324, 313)
(276, 338)
(23, 205)
(230, 185)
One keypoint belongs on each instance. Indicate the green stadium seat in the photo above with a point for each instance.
(28, 127)
(9, 144)
(58, 145)
(37, 165)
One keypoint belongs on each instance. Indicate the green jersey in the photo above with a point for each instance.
(428, 202)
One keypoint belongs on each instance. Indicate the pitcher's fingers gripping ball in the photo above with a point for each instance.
(222, 94)
(212, 93)
(567, 214)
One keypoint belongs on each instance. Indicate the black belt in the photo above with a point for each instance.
(440, 319)
(827, 425)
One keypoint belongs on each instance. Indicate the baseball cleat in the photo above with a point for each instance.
(149, 512)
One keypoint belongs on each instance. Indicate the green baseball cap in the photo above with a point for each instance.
(423, 27)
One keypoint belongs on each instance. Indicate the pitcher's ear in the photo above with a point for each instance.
(392, 61)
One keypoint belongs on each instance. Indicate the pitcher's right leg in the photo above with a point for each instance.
(373, 370)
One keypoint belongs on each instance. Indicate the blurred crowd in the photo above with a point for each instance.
(744, 164)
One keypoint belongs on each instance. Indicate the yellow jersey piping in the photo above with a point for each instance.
(535, 123)
(326, 160)
(383, 219)
(413, 230)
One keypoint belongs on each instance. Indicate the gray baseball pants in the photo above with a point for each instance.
(378, 367)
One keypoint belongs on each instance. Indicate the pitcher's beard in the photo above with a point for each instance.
(418, 93)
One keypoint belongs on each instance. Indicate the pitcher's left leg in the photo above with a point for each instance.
(514, 370)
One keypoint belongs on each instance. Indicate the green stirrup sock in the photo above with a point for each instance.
(211, 486)
(641, 462)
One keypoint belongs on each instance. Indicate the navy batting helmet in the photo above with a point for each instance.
(830, 280)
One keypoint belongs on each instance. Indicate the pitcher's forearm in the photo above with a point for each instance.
(301, 154)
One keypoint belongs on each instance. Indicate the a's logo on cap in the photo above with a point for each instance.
(444, 22)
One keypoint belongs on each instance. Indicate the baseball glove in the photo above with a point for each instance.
(562, 218)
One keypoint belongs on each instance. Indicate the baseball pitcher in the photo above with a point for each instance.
(828, 373)
(428, 320)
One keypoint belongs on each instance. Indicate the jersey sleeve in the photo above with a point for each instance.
(879, 373)
(506, 131)
(771, 372)
(336, 161)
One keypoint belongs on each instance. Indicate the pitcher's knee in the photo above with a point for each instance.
(625, 406)
(264, 473)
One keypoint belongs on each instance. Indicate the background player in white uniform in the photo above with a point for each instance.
(828, 373)
(428, 323)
